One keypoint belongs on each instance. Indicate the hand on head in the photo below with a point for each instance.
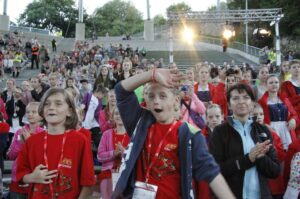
(169, 77)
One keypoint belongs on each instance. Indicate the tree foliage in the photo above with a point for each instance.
(179, 7)
(159, 20)
(116, 18)
(54, 15)
(223, 6)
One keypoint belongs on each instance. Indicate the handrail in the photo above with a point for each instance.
(29, 29)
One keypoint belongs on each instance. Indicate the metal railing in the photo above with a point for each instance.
(29, 29)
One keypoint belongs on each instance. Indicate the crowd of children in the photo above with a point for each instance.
(157, 132)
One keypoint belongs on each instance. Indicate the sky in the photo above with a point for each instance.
(16, 7)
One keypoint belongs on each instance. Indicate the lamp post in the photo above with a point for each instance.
(278, 53)
(246, 26)
(171, 56)
(80, 11)
(5, 7)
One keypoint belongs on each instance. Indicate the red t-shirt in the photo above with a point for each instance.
(124, 140)
(166, 171)
(77, 163)
(87, 134)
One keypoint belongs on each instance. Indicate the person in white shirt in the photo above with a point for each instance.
(92, 104)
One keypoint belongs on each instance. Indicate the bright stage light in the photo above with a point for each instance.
(227, 34)
(188, 34)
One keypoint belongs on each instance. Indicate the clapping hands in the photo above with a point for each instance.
(259, 150)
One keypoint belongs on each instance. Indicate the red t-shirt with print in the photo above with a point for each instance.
(124, 140)
(76, 166)
(165, 172)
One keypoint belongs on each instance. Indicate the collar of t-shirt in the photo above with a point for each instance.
(294, 83)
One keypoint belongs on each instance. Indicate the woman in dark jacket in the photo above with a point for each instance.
(243, 148)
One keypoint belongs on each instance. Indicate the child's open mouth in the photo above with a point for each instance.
(158, 110)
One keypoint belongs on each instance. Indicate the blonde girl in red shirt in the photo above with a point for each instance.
(58, 162)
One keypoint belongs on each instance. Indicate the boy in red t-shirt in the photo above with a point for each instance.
(163, 150)
(276, 185)
(57, 163)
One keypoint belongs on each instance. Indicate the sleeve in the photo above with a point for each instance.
(104, 154)
(15, 146)
(268, 165)
(281, 154)
(87, 174)
(197, 105)
(129, 108)
(23, 163)
(204, 165)
(229, 165)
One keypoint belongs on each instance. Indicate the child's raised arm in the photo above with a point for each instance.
(165, 77)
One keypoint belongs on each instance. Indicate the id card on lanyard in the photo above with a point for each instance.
(144, 189)
(52, 193)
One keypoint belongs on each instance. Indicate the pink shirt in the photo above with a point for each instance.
(106, 150)
(196, 105)
(16, 146)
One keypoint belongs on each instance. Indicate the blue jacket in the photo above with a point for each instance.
(195, 160)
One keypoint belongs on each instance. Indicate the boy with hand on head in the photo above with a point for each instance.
(165, 154)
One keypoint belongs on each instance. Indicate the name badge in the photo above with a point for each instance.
(144, 190)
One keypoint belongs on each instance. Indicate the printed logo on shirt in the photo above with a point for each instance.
(67, 163)
(170, 147)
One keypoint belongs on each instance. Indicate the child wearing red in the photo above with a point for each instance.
(111, 147)
(279, 112)
(208, 93)
(277, 186)
(164, 154)
(291, 89)
(57, 162)
(214, 117)
(17, 190)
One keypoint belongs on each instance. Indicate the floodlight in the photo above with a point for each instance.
(188, 34)
(227, 34)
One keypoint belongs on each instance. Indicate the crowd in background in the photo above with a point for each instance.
(90, 73)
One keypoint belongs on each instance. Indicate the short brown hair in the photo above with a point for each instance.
(241, 87)
(294, 61)
(72, 121)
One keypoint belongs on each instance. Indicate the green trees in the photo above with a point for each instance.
(179, 7)
(159, 20)
(53, 15)
(116, 18)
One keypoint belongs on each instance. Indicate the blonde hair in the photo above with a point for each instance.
(212, 106)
